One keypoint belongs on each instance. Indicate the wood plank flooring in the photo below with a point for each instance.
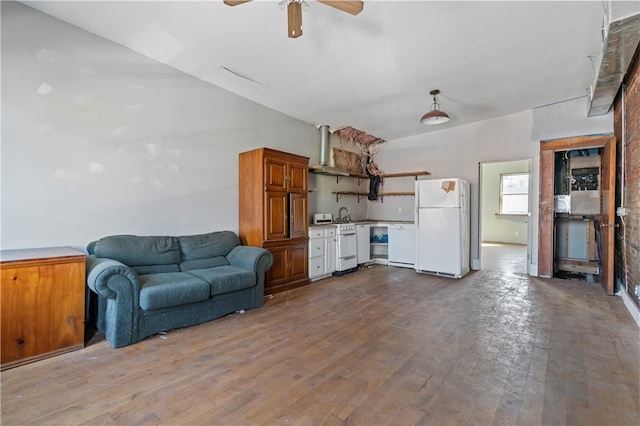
(381, 346)
(503, 257)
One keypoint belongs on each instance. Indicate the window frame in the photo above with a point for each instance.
(502, 194)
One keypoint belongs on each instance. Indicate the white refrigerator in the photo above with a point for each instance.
(443, 222)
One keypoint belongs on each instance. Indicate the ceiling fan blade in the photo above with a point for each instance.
(350, 6)
(294, 18)
(235, 2)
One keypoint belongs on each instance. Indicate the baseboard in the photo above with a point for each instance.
(631, 307)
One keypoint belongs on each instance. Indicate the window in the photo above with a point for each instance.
(514, 193)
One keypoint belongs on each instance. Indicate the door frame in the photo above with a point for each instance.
(548, 149)
(529, 161)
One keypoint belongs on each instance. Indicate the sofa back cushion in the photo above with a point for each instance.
(206, 250)
(148, 254)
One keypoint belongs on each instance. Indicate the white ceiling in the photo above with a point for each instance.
(372, 71)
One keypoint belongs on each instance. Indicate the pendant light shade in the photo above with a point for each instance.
(434, 116)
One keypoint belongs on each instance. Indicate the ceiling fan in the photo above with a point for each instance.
(294, 11)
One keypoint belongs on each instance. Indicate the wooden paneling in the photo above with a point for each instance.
(545, 215)
(251, 192)
(607, 227)
(42, 300)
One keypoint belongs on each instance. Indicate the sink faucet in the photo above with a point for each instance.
(346, 218)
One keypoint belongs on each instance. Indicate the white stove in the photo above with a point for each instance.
(346, 248)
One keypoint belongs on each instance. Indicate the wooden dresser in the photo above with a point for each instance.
(42, 297)
(273, 213)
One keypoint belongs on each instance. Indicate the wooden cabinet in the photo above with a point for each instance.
(273, 213)
(42, 297)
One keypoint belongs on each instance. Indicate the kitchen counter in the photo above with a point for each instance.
(381, 222)
(364, 222)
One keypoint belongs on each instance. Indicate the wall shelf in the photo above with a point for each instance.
(393, 175)
(381, 195)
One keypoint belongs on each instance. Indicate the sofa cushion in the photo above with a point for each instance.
(203, 263)
(155, 269)
(134, 250)
(224, 279)
(206, 246)
(171, 289)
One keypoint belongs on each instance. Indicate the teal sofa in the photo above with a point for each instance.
(148, 284)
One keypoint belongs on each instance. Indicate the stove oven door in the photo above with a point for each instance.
(346, 252)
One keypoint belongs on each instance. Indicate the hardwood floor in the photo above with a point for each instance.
(380, 346)
(503, 257)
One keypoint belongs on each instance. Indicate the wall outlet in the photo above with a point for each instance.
(400, 209)
(517, 233)
(621, 211)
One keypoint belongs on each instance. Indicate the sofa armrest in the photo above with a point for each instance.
(111, 279)
(119, 302)
(252, 258)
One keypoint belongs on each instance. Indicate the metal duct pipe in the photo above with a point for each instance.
(622, 39)
(325, 143)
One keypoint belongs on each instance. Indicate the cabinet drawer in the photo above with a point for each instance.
(330, 232)
(316, 247)
(316, 266)
(316, 233)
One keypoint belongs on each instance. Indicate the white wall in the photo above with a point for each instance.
(568, 119)
(494, 227)
(97, 139)
(457, 152)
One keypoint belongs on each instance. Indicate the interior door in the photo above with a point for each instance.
(607, 210)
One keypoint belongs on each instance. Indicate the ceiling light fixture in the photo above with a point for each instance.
(434, 116)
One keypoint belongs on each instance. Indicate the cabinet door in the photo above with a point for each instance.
(279, 272)
(42, 309)
(298, 261)
(298, 175)
(276, 174)
(330, 254)
(298, 225)
(276, 216)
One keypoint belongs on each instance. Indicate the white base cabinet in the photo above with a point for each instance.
(322, 251)
(363, 240)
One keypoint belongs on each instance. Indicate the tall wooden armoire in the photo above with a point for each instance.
(273, 208)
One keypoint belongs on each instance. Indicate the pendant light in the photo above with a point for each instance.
(434, 116)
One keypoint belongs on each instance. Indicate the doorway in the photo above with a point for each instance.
(505, 202)
(604, 218)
